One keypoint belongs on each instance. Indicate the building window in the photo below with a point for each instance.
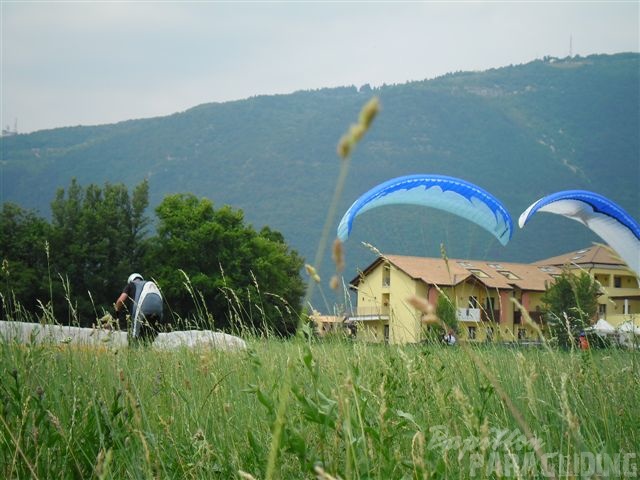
(517, 317)
(548, 269)
(489, 304)
(522, 334)
(385, 299)
(471, 333)
(473, 302)
(509, 275)
(386, 276)
(617, 281)
(478, 273)
(603, 280)
(602, 310)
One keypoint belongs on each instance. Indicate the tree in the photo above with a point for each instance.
(97, 239)
(23, 253)
(447, 312)
(569, 305)
(215, 269)
(447, 319)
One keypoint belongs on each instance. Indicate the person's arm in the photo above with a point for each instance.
(120, 301)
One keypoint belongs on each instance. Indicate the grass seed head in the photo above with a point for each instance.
(245, 475)
(311, 271)
(322, 475)
(421, 304)
(344, 149)
(429, 312)
(338, 254)
(55, 421)
(369, 112)
(357, 130)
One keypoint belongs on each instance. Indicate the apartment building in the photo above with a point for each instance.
(494, 301)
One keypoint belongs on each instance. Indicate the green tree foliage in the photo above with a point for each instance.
(447, 312)
(569, 305)
(23, 279)
(235, 275)
(96, 241)
(78, 263)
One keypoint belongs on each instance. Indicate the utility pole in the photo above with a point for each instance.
(570, 46)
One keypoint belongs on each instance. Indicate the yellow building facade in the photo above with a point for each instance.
(494, 301)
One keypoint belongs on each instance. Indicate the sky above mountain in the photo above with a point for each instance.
(87, 63)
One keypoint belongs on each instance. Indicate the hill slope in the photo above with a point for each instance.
(520, 132)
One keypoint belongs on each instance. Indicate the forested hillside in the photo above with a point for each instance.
(520, 132)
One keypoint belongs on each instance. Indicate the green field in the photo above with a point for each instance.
(332, 409)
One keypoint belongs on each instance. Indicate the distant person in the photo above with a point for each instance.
(143, 301)
(450, 338)
(584, 341)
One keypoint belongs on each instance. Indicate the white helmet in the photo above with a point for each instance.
(134, 276)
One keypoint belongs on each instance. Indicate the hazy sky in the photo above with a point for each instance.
(87, 63)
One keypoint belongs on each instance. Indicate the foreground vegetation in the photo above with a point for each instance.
(351, 411)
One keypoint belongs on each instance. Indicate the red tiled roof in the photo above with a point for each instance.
(595, 254)
(500, 275)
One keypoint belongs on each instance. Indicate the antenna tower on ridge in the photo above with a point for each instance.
(570, 46)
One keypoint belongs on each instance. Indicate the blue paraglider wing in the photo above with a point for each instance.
(437, 191)
(604, 217)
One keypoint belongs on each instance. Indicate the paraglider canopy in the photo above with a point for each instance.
(450, 194)
(604, 217)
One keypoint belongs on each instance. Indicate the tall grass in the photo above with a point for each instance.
(353, 411)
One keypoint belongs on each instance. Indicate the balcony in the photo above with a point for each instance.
(469, 315)
(477, 315)
(370, 314)
(622, 292)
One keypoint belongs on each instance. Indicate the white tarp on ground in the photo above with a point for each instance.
(33, 332)
(198, 339)
(629, 327)
(628, 334)
(602, 326)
